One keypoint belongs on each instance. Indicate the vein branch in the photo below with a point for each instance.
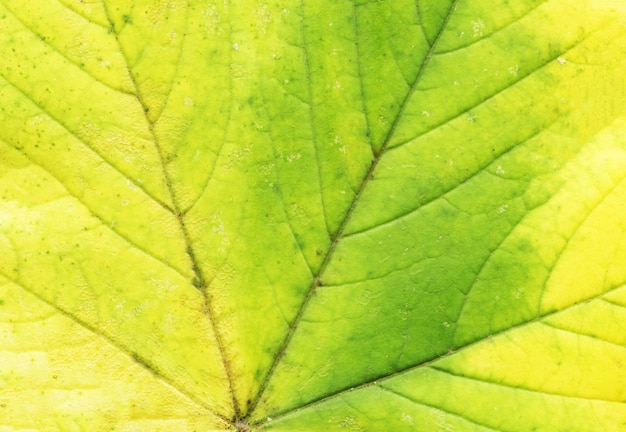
(438, 408)
(96, 214)
(514, 387)
(74, 135)
(310, 104)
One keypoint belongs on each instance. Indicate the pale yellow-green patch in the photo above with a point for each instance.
(57, 375)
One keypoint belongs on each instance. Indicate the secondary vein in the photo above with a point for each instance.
(143, 362)
(430, 362)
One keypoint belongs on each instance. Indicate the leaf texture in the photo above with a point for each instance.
(312, 216)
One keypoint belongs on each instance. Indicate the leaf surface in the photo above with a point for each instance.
(312, 215)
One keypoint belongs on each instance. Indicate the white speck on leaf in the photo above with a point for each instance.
(478, 26)
(211, 19)
(132, 186)
(163, 285)
(407, 418)
(292, 157)
(219, 229)
(264, 17)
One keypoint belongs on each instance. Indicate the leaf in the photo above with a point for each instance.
(312, 216)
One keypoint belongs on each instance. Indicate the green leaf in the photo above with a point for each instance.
(312, 216)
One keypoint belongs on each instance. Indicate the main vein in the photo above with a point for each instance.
(317, 280)
(199, 280)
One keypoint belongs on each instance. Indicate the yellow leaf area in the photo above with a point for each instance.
(312, 216)
(57, 374)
